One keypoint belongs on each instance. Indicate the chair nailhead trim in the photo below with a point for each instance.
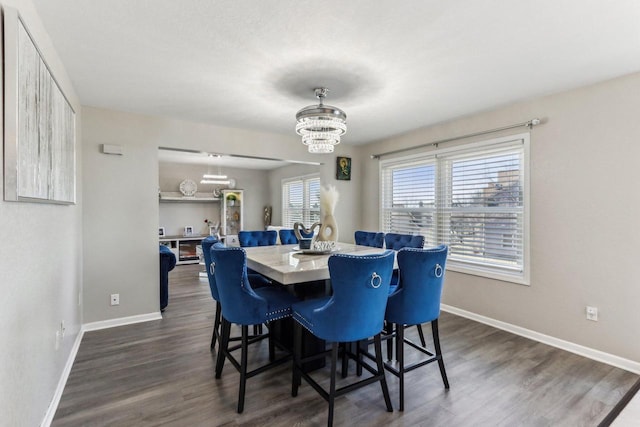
(303, 321)
(284, 310)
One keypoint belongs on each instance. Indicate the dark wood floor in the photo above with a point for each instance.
(161, 373)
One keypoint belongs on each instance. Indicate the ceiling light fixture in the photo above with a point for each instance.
(218, 178)
(215, 181)
(321, 125)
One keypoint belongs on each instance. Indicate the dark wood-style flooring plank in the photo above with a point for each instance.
(160, 373)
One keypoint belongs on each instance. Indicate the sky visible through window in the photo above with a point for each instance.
(415, 186)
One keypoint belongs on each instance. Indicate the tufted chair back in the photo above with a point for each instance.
(355, 311)
(369, 238)
(207, 243)
(257, 238)
(240, 304)
(421, 275)
(288, 237)
(398, 241)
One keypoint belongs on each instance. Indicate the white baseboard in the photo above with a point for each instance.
(93, 326)
(53, 406)
(121, 321)
(600, 356)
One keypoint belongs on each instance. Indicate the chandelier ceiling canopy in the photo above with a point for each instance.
(321, 126)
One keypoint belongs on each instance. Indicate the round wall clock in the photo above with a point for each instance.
(188, 188)
(232, 183)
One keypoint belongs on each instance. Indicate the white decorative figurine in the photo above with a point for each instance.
(328, 199)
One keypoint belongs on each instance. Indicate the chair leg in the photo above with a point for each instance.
(400, 356)
(388, 328)
(436, 344)
(243, 367)
(383, 381)
(224, 345)
(345, 360)
(332, 387)
(257, 329)
(272, 348)
(359, 356)
(216, 325)
(422, 341)
(296, 378)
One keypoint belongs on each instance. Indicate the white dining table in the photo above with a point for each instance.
(287, 264)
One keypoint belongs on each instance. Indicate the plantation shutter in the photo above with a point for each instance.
(301, 201)
(470, 198)
(482, 208)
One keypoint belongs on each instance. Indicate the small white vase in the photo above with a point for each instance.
(328, 229)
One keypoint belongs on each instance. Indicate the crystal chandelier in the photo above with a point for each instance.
(321, 125)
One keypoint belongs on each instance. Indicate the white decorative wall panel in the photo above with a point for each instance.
(39, 124)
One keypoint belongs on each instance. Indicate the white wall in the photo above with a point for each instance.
(41, 267)
(121, 199)
(584, 213)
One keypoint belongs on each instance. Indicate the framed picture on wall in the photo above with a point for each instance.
(343, 168)
(188, 230)
(39, 123)
(161, 232)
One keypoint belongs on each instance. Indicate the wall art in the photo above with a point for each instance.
(39, 128)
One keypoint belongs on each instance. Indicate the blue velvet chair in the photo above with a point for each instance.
(244, 306)
(257, 238)
(256, 280)
(396, 242)
(207, 243)
(167, 263)
(354, 312)
(369, 238)
(417, 301)
(288, 236)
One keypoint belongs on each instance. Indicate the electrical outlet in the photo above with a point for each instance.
(115, 299)
(592, 313)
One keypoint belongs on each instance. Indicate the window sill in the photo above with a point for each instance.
(517, 278)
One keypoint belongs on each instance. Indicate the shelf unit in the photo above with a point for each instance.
(185, 248)
(231, 213)
(176, 196)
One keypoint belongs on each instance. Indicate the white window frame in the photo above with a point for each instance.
(307, 210)
(517, 276)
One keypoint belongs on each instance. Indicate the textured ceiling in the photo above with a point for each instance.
(391, 66)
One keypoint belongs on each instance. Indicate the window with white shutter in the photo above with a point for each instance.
(473, 198)
(301, 200)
